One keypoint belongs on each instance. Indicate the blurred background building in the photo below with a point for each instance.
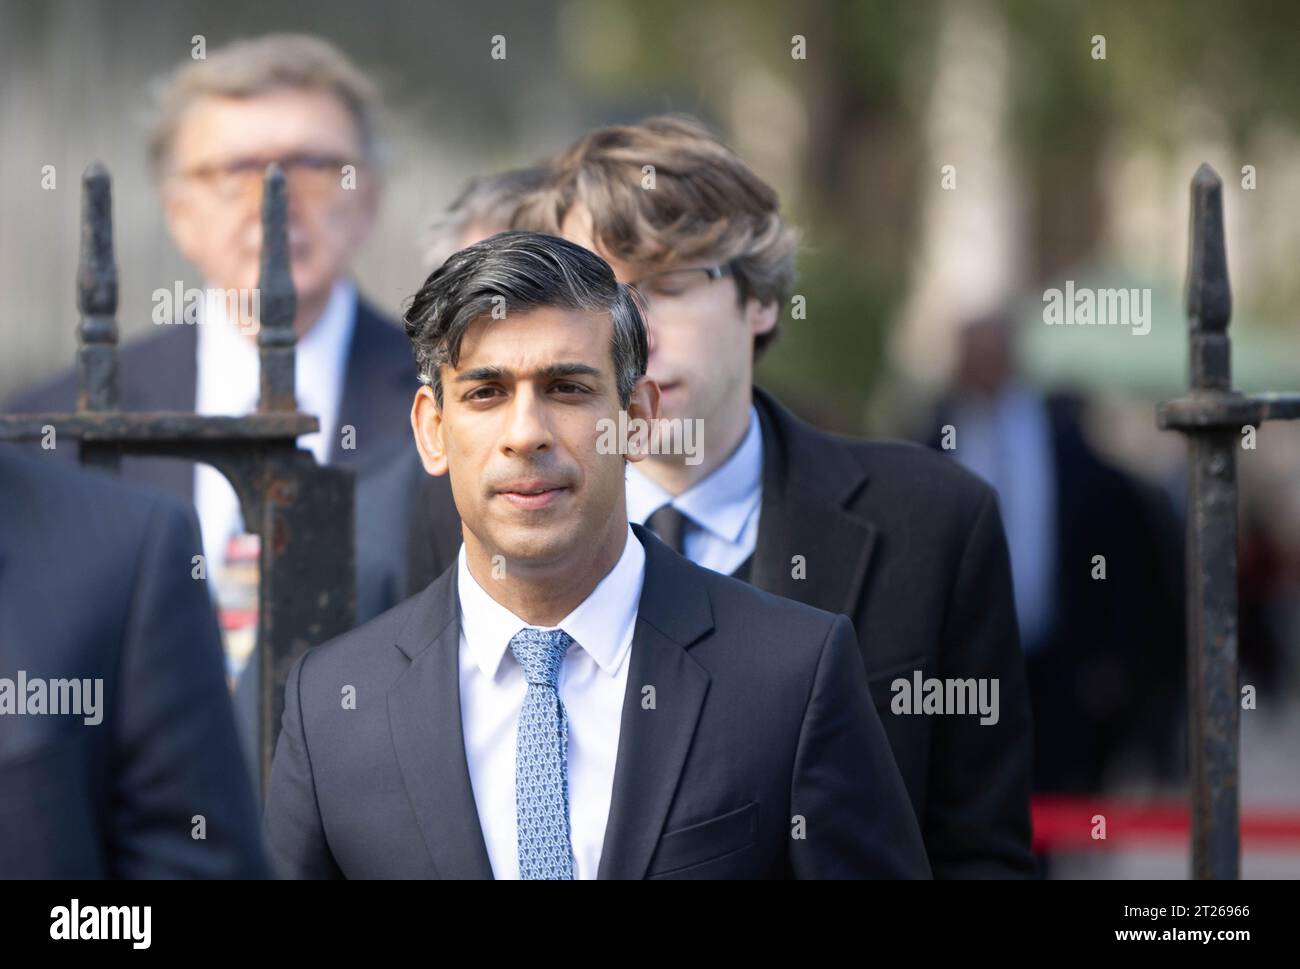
(947, 159)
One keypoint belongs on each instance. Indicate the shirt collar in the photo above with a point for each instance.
(602, 624)
(321, 350)
(721, 502)
(325, 346)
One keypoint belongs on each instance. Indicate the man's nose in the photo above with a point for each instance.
(527, 424)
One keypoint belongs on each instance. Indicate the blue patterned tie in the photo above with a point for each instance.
(542, 759)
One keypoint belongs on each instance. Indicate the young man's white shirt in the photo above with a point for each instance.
(722, 509)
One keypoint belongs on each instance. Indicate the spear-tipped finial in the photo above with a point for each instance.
(96, 272)
(97, 295)
(1209, 299)
(277, 300)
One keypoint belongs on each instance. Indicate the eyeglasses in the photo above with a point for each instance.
(667, 286)
(307, 174)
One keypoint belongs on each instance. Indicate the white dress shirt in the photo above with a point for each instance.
(722, 509)
(228, 384)
(592, 683)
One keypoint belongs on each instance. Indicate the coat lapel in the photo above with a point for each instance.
(653, 743)
(425, 719)
(807, 484)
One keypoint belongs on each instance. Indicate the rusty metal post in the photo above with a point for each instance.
(1213, 699)
(290, 554)
(1212, 416)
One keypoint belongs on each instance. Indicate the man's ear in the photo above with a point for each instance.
(761, 317)
(426, 425)
(643, 404)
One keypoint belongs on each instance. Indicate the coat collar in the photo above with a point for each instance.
(809, 480)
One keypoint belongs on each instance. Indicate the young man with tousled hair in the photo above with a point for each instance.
(902, 541)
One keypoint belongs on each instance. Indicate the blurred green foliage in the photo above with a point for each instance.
(865, 89)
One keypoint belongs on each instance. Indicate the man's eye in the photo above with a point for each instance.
(481, 393)
(568, 387)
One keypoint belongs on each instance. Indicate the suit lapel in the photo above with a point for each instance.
(653, 743)
(806, 485)
(425, 719)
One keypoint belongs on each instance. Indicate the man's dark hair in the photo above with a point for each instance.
(517, 272)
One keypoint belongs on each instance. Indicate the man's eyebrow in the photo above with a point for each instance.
(480, 373)
(549, 372)
(566, 369)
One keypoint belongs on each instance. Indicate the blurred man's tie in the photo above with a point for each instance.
(670, 525)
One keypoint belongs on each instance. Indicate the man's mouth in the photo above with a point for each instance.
(532, 495)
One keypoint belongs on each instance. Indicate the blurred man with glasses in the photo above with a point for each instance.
(219, 121)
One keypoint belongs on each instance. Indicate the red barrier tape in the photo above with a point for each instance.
(1066, 823)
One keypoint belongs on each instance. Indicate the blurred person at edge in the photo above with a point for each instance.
(1104, 658)
(298, 101)
(135, 741)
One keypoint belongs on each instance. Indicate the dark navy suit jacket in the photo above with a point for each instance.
(762, 716)
(96, 583)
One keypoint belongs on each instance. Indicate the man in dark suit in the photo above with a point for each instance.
(571, 699)
(219, 121)
(134, 770)
(909, 546)
(1096, 554)
(298, 101)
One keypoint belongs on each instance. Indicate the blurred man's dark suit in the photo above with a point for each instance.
(910, 547)
(761, 715)
(160, 372)
(1107, 675)
(95, 582)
